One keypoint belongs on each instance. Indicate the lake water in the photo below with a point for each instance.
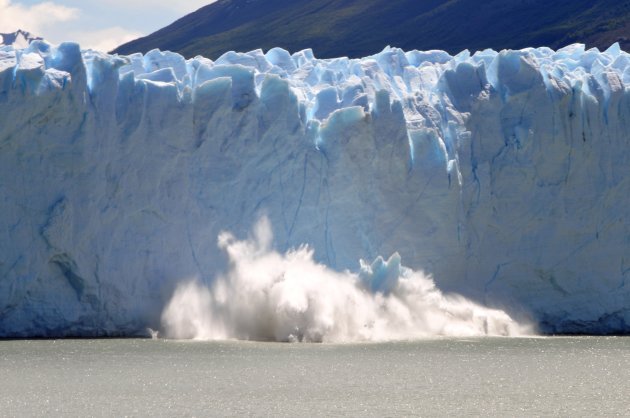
(568, 376)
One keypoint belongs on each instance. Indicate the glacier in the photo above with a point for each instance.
(502, 175)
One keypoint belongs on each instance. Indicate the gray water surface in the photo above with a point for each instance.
(568, 376)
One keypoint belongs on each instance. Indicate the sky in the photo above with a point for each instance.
(97, 24)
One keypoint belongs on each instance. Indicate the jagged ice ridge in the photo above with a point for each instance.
(18, 39)
(504, 175)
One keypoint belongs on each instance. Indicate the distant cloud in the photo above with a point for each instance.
(35, 18)
(104, 39)
(96, 24)
(50, 20)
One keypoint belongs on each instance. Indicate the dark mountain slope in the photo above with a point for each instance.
(362, 27)
(20, 37)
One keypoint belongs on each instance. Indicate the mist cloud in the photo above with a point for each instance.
(269, 296)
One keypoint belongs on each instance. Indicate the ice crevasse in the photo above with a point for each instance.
(503, 175)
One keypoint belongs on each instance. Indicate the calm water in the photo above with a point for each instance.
(494, 376)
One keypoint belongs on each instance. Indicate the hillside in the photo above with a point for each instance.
(362, 27)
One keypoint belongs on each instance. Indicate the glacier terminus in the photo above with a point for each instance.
(505, 176)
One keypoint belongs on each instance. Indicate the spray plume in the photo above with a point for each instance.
(269, 296)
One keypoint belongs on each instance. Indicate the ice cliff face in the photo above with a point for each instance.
(503, 175)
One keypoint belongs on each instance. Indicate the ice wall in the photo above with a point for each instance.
(503, 175)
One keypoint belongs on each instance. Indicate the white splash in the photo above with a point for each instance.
(268, 296)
